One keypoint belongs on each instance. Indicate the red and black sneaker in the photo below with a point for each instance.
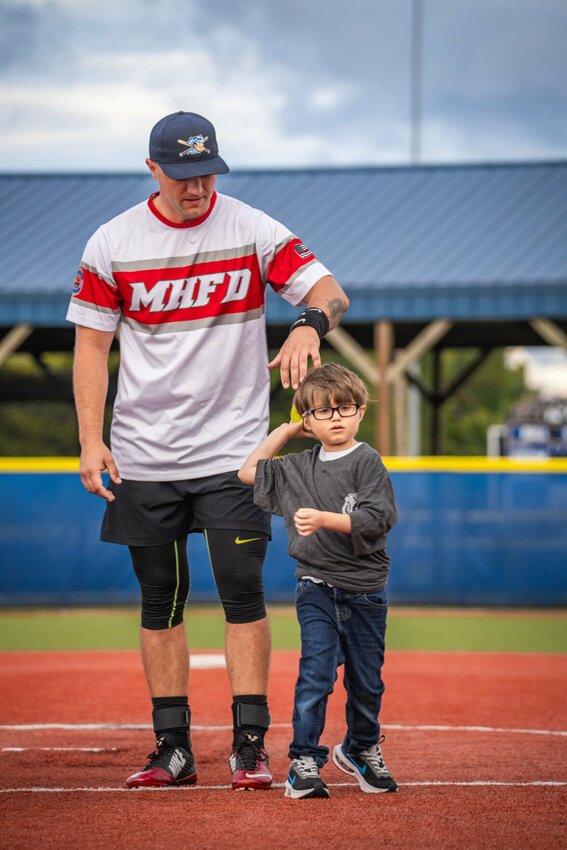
(168, 765)
(249, 764)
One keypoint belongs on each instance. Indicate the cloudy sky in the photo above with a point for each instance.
(295, 83)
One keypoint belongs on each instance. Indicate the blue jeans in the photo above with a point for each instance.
(338, 627)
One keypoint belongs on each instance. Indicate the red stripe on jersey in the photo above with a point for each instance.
(186, 293)
(95, 290)
(293, 256)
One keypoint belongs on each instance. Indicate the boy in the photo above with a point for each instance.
(338, 505)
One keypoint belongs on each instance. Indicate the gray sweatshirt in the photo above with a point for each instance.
(356, 483)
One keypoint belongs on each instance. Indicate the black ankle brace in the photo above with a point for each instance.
(176, 721)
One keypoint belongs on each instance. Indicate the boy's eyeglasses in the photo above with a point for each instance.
(344, 410)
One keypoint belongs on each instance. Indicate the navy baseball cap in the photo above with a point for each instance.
(184, 144)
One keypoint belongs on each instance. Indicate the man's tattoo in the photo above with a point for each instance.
(336, 309)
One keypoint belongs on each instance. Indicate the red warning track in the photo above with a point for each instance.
(477, 742)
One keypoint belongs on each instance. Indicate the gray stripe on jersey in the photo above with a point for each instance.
(176, 262)
(195, 325)
(96, 307)
(282, 244)
(295, 275)
(107, 280)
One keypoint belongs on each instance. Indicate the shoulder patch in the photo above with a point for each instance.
(78, 283)
(303, 250)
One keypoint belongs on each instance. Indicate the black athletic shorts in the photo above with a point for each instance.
(149, 513)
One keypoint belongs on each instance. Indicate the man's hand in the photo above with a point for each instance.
(308, 521)
(95, 459)
(293, 356)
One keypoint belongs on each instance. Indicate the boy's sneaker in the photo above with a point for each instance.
(303, 779)
(168, 765)
(249, 764)
(368, 767)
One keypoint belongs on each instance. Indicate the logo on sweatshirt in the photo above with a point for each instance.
(349, 504)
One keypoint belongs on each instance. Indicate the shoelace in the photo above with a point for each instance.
(160, 747)
(375, 759)
(306, 769)
(250, 753)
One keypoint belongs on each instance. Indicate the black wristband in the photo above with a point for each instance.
(313, 317)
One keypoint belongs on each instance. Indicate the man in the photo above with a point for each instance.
(184, 276)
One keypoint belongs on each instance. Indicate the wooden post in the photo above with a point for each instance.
(400, 416)
(436, 426)
(13, 339)
(383, 344)
(550, 332)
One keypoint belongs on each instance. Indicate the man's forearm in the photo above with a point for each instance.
(328, 296)
(90, 385)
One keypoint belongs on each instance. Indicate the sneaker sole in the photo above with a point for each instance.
(308, 793)
(158, 779)
(349, 769)
(242, 780)
(238, 787)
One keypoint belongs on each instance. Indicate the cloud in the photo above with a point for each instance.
(312, 83)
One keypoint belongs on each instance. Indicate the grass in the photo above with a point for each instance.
(416, 629)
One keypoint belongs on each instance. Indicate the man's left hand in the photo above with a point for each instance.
(293, 356)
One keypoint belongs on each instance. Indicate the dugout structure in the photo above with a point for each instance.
(432, 258)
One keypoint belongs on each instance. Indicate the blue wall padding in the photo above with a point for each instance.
(483, 538)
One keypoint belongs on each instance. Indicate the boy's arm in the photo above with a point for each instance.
(374, 517)
(268, 448)
(309, 520)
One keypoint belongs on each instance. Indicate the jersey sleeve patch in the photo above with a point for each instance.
(95, 291)
(288, 260)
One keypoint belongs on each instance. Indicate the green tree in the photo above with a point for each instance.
(486, 398)
(48, 428)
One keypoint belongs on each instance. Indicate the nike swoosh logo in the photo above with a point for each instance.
(237, 540)
(361, 768)
(257, 775)
(291, 779)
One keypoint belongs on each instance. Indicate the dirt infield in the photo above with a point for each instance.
(477, 742)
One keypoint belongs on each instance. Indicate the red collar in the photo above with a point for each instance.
(193, 223)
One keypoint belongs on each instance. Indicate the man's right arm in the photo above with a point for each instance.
(90, 383)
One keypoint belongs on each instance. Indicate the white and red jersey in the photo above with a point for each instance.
(193, 387)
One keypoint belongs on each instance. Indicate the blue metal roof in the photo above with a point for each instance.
(407, 243)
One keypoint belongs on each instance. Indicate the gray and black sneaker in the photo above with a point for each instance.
(368, 768)
(303, 779)
(168, 765)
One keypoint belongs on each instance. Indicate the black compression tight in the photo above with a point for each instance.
(236, 560)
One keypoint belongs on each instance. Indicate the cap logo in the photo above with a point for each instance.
(195, 145)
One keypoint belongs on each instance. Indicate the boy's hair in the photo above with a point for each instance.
(329, 382)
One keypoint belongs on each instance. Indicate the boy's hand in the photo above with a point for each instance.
(308, 521)
(296, 429)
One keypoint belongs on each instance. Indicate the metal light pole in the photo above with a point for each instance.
(414, 401)
(416, 79)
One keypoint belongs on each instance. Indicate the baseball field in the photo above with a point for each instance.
(475, 719)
